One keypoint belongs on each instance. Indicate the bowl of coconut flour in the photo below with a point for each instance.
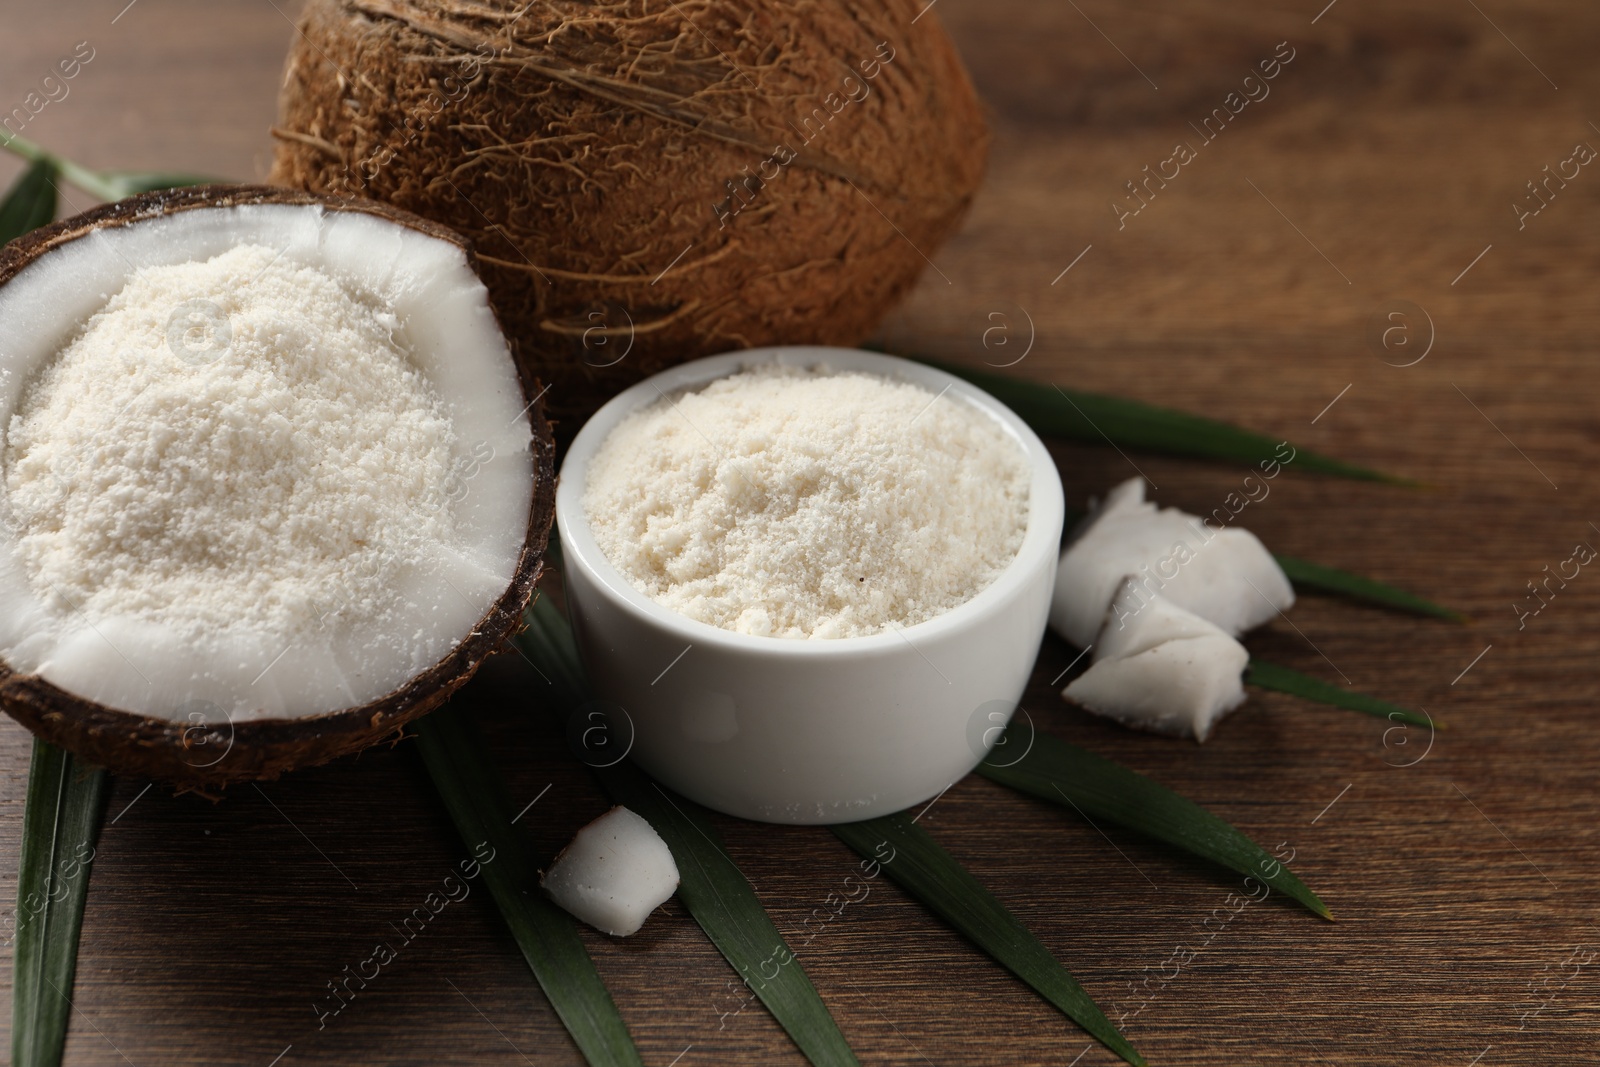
(808, 583)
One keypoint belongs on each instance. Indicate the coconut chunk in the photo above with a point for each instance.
(1138, 621)
(1179, 687)
(1158, 667)
(613, 873)
(1223, 575)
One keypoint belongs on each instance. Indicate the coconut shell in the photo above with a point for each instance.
(649, 181)
(182, 752)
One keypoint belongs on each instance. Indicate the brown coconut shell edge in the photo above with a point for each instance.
(183, 753)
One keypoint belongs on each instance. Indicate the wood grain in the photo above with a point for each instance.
(1384, 160)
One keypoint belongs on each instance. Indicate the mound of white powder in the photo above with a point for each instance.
(804, 503)
(239, 442)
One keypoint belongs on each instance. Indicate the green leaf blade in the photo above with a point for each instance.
(1095, 787)
(1318, 578)
(552, 649)
(121, 184)
(719, 897)
(922, 868)
(548, 937)
(711, 888)
(1131, 424)
(31, 201)
(60, 824)
(1266, 675)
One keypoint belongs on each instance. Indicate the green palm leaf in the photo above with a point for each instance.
(712, 888)
(717, 894)
(1095, 787)
(107, 185)
(925, 870)
(1283, 680)
(1122, 423)
(60, 823)
(66, 801)
(1316, 578)
(126, 183)
(552, 648)
(475, 797)
(30, 203)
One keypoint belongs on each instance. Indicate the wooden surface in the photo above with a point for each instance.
(1383, 162)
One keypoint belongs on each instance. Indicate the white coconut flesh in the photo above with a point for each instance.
(1159, 667)
(1224, 575)
(614, 873)
(270, 460)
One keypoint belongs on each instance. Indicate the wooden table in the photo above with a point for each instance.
(1381, 168)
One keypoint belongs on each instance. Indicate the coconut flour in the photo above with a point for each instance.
(794, 503)
(238, 442)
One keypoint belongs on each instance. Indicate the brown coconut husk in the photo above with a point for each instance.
(207, 755)
(595, 155)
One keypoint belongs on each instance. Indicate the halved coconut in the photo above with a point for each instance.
(272, 484)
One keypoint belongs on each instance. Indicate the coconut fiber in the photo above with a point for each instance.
(652, 180)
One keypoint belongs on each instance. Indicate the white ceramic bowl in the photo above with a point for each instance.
(809, 731)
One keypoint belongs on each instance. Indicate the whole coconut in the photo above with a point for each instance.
(650, 180)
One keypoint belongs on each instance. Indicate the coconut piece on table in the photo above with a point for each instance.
(613, 873)
(1159, 667)
(1223, 575)
(1138, 621)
